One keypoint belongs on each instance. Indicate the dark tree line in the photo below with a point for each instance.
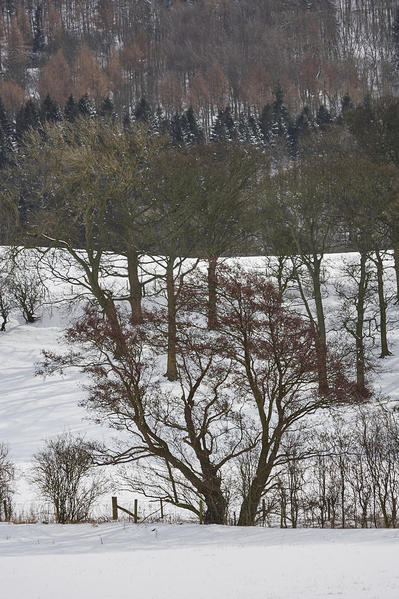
(274, 130)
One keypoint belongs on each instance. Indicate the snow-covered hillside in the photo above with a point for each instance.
(33, 408)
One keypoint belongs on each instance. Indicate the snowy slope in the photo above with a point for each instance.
(33, 409)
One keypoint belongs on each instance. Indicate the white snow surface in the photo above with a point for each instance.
(123, 561)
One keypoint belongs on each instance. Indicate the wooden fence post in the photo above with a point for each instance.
(135, 511)
(263, 511)
(7, 516)
(114, 508)
(161, 509)
(201, 511)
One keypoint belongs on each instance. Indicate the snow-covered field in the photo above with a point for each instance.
(161, 561)
(121, 561)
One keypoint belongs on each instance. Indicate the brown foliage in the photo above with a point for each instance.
(56, 79)
(88, 76)
(12, 95)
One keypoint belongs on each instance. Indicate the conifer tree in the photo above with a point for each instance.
(160, 124)
(282, 137)
(27, 117)
(143, 111)
(193, 132)
(71, 109)
(127, 119)
(265, 122)
(230, 124)
(218, 131)
(302, 127)
(49, 110)
(304, 122)
(176, 129)
(107, 108)
(86, 106)
(346, 103)
(7, 135)
(280, 117)
(243, 131)
(255, 130)
(224, 128)
(323, 117)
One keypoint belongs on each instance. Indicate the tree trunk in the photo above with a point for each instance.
(251, 501)
(382, 305)
(359, 332)
(396, 264)
(135, 295)
(212, 287)
(216, 505)
(321, 335)
(171, 371)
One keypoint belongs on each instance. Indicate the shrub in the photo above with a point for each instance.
(64, 475)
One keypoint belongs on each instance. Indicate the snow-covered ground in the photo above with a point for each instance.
(123, 561)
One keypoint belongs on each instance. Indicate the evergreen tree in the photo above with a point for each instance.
(176, 130)
(278, 104)
(86, 106)
(305, 122)
(255, 131)
(160, 124)
(224, 128)
(143, 111)
(49, 110)
(7, 144)
(27, 117)
(4, 153)
(71, 109)
(5, 122)
(127, 119)
(243, 131)
(280, 116)
(265, 122)
(218, 133)
(323, 117)
(282, 137)
(193, 131)
(106, 108)
(346, 103)
(230, 124)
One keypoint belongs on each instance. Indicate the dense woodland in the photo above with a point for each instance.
(202, 53)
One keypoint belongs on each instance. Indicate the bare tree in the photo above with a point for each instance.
(63, 474)
(193, 432)
(357, 314)
(7, 474)
(6, 301)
